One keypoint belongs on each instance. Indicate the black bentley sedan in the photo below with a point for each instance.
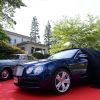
(58, 72)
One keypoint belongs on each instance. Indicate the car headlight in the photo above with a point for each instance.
(35, 70)
(29, 70)
(38, 70)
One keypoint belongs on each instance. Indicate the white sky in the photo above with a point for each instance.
(51, 10)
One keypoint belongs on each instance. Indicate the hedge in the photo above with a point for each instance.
(4, 36)
(7, 49)
(38, 55)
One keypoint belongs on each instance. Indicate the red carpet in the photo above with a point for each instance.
(10, 92)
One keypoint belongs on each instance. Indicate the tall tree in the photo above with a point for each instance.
(34, 34)
(78, 33)
(47, 35)
(7, 10)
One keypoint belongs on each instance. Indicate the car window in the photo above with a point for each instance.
(64, 54)
(78, 54)
(23, 57)
(14, 57)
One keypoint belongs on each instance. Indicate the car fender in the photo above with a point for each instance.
(4, 67)
(52, 70)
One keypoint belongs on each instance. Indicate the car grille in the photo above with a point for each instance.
(19, 71)
(29, 82)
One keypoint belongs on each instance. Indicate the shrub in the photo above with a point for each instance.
(46, 55)
(3, 35)
(30, 57)
(38, 55)
(7, 49)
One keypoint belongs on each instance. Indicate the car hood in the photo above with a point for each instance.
(10, 62)
(43, 62)
(38, 62)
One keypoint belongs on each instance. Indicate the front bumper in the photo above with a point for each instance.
(22, 79)
(32, 82)
(26, 82)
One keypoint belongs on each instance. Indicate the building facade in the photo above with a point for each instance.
(31, 47)
(17, 38)
(24, 43)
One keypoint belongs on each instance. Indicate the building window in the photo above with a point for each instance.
(32, 50)
(13, 41)
(22, 39)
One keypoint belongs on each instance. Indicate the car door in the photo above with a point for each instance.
(79, 66)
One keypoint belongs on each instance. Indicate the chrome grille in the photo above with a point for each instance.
(19, 70)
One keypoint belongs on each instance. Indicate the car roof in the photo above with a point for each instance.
(19, 54)
(69, 49)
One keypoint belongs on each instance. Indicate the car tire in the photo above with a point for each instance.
(5, 74)
(61, 81)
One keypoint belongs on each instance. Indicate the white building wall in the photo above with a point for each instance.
(24, 39)
(17, 39)
(28, 47)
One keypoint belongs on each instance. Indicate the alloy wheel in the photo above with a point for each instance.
(5, 74)
(62, 81)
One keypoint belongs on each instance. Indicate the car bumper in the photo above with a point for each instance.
(31, 82)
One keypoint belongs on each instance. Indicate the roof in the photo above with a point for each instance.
(19, 54)
(29, 42)
(16, 34)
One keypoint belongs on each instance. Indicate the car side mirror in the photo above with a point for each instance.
(82, 56)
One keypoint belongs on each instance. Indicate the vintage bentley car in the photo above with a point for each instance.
(7, 65)
(58, 72)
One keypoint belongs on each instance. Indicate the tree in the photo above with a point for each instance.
(7, 10)
(78, 33)
(34, 34)
(47, 35)
(3, 36)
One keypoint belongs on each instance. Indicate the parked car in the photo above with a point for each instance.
(7, 66)
(58, 72)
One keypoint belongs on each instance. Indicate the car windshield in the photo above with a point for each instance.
(64, 54)
(14, 57)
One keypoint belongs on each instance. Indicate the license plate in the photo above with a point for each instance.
(19, 71)
(15, 80)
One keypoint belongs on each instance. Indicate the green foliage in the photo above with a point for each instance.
(30, 57)
(7, 10)
(80, 33)
(47, 34)
(3, 36)
(34, 34)
(46, 55)
(6, 50)
(38, 55)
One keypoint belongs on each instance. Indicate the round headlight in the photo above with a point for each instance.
(29, 70)
(38, 70)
